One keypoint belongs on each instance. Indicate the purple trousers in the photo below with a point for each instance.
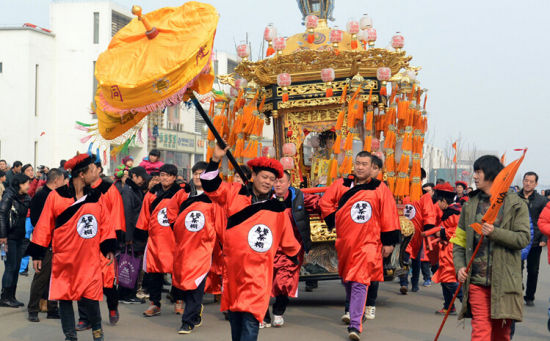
(356, 293)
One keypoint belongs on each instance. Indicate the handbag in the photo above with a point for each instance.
(128, 268)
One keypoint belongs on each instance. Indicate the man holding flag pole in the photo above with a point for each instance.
(492, 230)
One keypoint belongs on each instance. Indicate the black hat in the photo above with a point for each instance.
(169, 169)
(140, 171)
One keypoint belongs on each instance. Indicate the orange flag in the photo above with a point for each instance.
(456, 152)
(503, 158)
(499, 190)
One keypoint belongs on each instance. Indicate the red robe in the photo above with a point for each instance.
(365, 217)
(153, 218)
(253, 234)
(446, 271)
(195, 235)
(113, 203)
(421, 213)
(544, 224)
(76, 230)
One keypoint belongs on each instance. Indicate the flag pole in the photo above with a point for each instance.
(459, 287)
(219, 139)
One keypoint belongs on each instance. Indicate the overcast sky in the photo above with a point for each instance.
(484, 62)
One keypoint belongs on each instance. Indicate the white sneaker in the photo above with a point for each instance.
(370, 313)
(265, 325)
(278, 321)
(345, 318)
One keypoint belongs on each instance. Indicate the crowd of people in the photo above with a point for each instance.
(244, 240)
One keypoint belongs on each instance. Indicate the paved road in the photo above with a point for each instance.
(312, 316)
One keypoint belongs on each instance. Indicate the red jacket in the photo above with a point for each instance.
(153, 218)
(252, 236)
(365, 217)
(449, 221)
(77, 230)
(544, 224)
(422, 214)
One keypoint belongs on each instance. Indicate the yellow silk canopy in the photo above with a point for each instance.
(138, 74)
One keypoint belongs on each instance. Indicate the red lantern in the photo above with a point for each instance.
(353, 29)
(311, 24)
(243, 51)
(279, 44)
(284, 80)
(270, 33)
(327, 75)
(397, 41)
(371, 36)
(287, 162)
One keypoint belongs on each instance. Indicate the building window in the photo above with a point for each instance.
(118, 21)
(36, 90)
(231, 65)
(96, 27)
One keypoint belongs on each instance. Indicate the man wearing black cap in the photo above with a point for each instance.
(132, 192)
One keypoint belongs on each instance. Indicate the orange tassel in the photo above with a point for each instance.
(353, 44)
(270, 50)
(349, 142)
(383, 91)
(368, 121)
(337, 144)
(329, 92)
(310, 38)
(261, 107)
(368, 143)
(333, 171)
(370, 96)
(340, 121)
(211, 109)
(285, 97)
(344, 94)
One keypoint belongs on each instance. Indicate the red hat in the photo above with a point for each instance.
(264, 163)
(462, 183)
(445, 187)
(79, 161)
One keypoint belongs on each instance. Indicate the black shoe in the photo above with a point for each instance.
(414, 289)
(19, 304)
(197, 321)
(82, 325)
(54, 315)
(33, 317)
(24, 273)
(354, 334)
(185, 328)
(403, 290)
(10, 303)
(133, 300)
(530, 303)
(548, 324)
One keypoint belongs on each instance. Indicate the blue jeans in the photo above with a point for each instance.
(28, 232)
(244, 326)
(448, 293)
(12, 263)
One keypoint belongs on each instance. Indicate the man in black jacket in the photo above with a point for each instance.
(132, 192)
(13, 213)
(536, 203)
(41, 280)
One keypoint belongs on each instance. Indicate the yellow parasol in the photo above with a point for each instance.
(152, 62)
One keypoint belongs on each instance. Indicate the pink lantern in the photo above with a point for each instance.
(279, 44)
(327, 75)
(336, 36)
(397, 41)
(311, 24)
(284, 80)
(270, 33)
(371, 36)
(362, 36)
(365, 22)
(353, 27)
(233, 92)
(241, 83)
(312, 21)
(268, 151)
(243, 51)
(383, 74)
(375, 146)
(289, 149)
(287, 162)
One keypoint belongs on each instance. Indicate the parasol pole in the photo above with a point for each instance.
(459, 287)
(218, 137)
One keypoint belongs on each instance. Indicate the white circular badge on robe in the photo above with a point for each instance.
(409, 211)
(260, 238)
(194, 221)
(361, 212)
(162, 218)
(87, 226)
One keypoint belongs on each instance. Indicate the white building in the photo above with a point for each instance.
(47, 83)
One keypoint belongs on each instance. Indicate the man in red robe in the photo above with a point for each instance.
(257, 226)
(77, 223)
(193, 217)
(364, 213)
(153, 225)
